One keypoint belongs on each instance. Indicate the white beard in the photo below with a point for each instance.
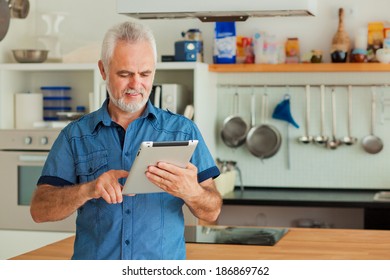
(129, 107)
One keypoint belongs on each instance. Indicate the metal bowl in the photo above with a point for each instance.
(30, 56)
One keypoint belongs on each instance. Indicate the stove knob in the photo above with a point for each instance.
(44, 140)
(28, 140)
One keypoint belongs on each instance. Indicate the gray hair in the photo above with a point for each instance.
(129, 31)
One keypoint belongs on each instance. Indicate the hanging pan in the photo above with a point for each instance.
(5, 16)
(234, 128)
(263, 141)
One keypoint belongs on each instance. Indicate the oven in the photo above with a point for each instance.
(22, 156)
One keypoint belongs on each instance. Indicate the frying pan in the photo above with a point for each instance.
(5, 16)
(371, 143)
(263, 141)
(234, 128)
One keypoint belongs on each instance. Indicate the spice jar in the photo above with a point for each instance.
(316, 56)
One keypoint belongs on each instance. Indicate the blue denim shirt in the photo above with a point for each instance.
(144, 226)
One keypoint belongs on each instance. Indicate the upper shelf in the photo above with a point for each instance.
(48, 66)
(93, 66)
(301, 67)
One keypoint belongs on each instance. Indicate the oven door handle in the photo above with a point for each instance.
(30, 158)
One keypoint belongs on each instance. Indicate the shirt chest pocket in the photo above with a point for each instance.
(91, 166)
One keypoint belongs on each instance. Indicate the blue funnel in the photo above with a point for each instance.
(282, 111)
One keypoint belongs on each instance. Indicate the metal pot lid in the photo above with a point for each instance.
(19, 8)
(5, 16)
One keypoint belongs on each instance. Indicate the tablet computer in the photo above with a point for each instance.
(150, 153)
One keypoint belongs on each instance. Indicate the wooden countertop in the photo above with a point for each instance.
(297, 244)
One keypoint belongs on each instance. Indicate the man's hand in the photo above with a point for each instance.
(203, 199)
(108, 187)
(180, 182)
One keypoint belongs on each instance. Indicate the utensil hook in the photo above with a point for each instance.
(322, 109)
(373, 108)
(333, 113)
(264, 105)
(307, 109)
(236, 102)
(287, 95)
(253, 103)
(349, 110)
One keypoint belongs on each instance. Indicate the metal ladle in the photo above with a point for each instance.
(322, 139)
(371, 143)
(306, 139)
(334, 142)
(349, 140)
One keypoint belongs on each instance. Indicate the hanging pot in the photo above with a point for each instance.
(263, 141)
(19, 8)
(5, 16)
(234, 128)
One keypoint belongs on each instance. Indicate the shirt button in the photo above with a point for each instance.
(127, 154)
(127, 242)
(127, 211)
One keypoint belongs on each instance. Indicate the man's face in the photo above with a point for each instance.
(131, 75)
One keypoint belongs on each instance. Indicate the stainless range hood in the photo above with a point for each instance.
(215, 10)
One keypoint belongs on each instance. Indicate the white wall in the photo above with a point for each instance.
(87, 21)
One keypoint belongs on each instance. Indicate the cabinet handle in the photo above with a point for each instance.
(30, 158)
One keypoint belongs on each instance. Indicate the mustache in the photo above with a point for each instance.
(135, 91)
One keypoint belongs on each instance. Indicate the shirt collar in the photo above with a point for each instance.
(102, 116)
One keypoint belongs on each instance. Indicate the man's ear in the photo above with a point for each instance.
(102, 71)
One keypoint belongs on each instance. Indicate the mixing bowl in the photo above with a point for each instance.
(383, 55)
(30, 55)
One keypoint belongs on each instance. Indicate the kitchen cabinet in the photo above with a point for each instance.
(15, 78)
(328, 206)
(201, 84)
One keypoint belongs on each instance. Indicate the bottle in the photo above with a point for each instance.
(340, 42)
(258, 47)
(292, 50)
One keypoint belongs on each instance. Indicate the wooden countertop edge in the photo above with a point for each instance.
(297, 244)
